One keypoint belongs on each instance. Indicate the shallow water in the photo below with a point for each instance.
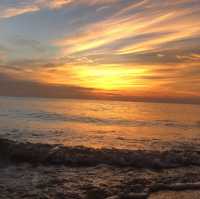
(110, 124)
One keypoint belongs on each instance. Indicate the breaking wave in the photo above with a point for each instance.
(82, 156)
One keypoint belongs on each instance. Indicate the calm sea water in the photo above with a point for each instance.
(110, 124)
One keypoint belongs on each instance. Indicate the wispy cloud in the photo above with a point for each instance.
(53, 4)
(191, 57)
(24, 7)
(12, 12)
(174, 23)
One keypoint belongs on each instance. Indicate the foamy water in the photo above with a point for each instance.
(110, 124)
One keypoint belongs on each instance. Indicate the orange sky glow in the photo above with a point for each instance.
(127, 48)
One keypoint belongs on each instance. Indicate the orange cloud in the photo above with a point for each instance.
(53, 4)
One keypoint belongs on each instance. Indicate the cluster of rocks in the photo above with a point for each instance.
(82, 156)
(100, 182)
(55, 172)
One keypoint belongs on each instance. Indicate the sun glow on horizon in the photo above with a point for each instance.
(109, 78)
(102, 46)
(103, 77)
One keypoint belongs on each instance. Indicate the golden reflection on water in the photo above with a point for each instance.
(100, 123)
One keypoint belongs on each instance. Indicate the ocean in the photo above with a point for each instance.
(64, 148)
(100, 124)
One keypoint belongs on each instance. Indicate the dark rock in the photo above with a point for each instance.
(96, 193)
(135, 196)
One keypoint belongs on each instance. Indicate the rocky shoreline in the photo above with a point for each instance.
(41, 171)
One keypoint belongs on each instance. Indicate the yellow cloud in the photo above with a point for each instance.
(104, 77)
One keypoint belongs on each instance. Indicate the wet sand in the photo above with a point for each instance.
(177, 195)
(23, 175)
(28, 181)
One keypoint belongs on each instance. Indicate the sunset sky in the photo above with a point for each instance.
(148, 49)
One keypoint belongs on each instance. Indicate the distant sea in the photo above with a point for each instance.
(100, 124)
